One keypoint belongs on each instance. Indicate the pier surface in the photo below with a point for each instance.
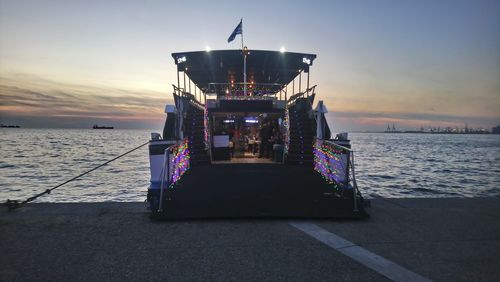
(438, 239)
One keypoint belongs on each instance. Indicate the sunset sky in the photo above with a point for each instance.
(412, 63)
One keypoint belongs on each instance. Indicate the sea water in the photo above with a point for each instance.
(387, 165)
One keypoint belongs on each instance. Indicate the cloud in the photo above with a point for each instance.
(32, 101)
(33, 97)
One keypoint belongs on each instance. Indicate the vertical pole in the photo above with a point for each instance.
(300, 81)
(293, 86)
(244, 72)
(244, 62)
(178, 81)
(286, 90)
(189, 85)
(354, 184)
(166, 166)
(281, 90)
(308, 71)
(241, 34)
(184, 81)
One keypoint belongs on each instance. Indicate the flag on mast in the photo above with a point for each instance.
(237, 30)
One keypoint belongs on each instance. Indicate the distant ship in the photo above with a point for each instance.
(102, 127)
(10, 126)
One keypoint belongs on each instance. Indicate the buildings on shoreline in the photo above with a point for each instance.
(444, 130)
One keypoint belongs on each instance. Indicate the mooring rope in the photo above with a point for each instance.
(14, 204)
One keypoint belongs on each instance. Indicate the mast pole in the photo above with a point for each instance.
(245, 74)
(244, 62)
(242, 34)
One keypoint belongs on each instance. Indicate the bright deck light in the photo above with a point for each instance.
(208, 49)
(282, 50)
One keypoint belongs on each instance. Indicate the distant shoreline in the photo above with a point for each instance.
(158, 130)
(423, 132)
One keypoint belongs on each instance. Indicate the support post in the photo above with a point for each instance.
(300, 81)
(308, 82)
(244, 71)
(354, 184)
(178, 82)
(184, 90)
(243, 49)
(286, 90)
(166, 168)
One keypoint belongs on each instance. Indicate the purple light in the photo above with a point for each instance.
(330, 162)
(180, 161)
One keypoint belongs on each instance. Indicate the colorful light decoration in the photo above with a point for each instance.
(252, 90)
(286, 123)
(205, 123)
(180, 161)
(240, 98)
(331, 163)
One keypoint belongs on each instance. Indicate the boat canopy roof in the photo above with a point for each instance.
(226, 66)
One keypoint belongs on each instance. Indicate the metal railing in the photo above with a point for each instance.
(308, 92)
(175, 164)
(191, 97)
(336, 164)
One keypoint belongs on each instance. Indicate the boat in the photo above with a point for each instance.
(245, 138)
(9, 126)
(102, 127)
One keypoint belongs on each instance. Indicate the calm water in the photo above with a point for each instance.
(387, 165)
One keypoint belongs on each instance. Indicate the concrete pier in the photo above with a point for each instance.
(438, 239)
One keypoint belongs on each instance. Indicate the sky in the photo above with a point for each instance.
(411, 63)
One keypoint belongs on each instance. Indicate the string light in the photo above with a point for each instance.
(330, 162)
(205, 122)
(286, 123)
(180, 161)
(246, 98)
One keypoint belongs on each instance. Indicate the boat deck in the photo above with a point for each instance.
(256, 190)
